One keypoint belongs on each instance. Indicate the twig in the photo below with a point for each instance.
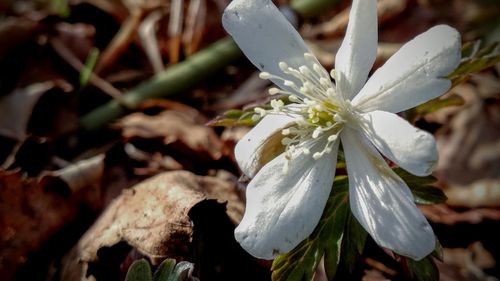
(175, 79)
(72, 60)
(181, 76)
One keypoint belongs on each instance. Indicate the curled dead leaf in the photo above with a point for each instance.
(153, 218)
(174, 127)
(80, 174)
(16, 108)
(30, 214)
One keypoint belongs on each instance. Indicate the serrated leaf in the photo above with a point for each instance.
(423, 270)
(236, 117)
(432, 106)
(475, 60)
(301, 263)
(164, 270)
(422, 189)
(140, 270)
(354, 243)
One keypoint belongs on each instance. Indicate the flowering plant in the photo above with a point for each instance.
(291, 154)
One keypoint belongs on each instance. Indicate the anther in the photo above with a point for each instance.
(289, 83)
(274, 91)
(316, 133)
(333, 74)
(332, 138)
(283, 66)
(293, 98)
(317, 155)
(265, 75)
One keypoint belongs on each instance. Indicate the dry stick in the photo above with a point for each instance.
(386, 9)
(72, 60)
(182, 76)
(120, 42)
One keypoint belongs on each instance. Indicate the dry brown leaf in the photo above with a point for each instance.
(153, 218)
(386, 9)
(441, 213)
(173, 127)
(483, 193)
(466, 264)
(470, 150)
(15, 32)
(16, 108)
(80, 174)
(30, 213)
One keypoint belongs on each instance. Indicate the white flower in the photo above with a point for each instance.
(287, 195)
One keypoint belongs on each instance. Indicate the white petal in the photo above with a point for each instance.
(283, 209)
(261, 143)
(414, 74)
(411, 148)
(383, 203)
(358, 51)
(265, 36)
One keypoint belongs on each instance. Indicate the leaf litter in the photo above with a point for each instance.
(187, 169)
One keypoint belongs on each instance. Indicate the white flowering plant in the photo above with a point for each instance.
(298, 210)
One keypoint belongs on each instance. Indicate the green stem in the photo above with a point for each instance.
(309, 8)
(181, 76)
(175, 79)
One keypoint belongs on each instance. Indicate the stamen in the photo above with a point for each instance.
(277, 105)
(274, 91)
(290, 84)
(317, 155)
(265, 75)
(333, 74)
(283, 66)
(294, 98)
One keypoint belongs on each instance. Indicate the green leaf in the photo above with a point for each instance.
(354, 243)
(164, 270)
(326, 239)
(236, 117)
(139, 271)
(89, 66)
(475, 60)
(423, 270)
(422, 189)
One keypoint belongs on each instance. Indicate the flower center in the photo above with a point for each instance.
(320, 112)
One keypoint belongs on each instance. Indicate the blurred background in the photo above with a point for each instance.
(97, 96)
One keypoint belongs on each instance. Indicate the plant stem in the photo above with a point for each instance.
(175, 79)
(181, 76)
(309, 8)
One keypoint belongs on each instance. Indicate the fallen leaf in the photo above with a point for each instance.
(466, 264)
(16, 109)
(152, 217)
(30, 213)
(482, 193)
(471, 143)
(441, 213)
(15, 32)
(80, 174)
(174, 127)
